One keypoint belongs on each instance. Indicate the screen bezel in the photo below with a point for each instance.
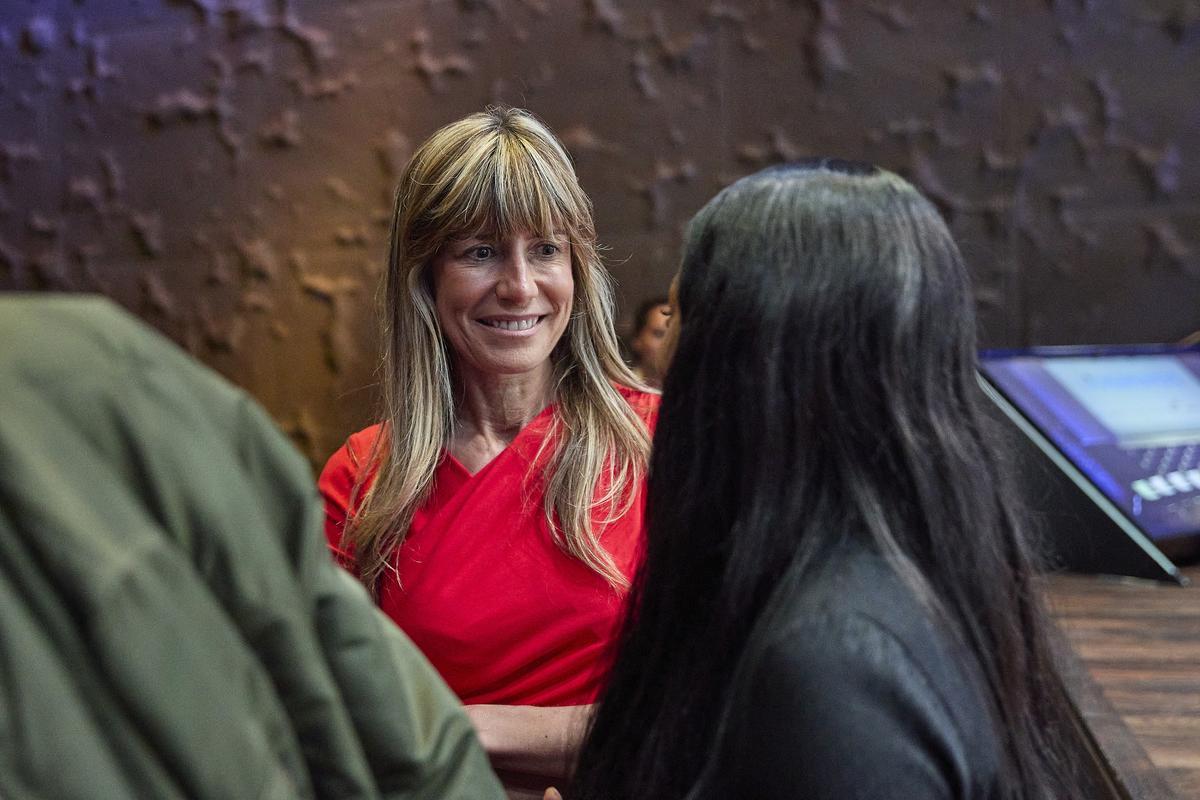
(1183, 546)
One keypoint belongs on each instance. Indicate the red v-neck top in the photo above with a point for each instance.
(503, 614)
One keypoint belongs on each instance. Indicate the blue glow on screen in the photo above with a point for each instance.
(1133, 396)
(1128, 418)
(1061, 404)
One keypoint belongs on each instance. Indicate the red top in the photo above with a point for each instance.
(503, 614)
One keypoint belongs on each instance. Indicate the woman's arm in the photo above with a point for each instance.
(532, 740)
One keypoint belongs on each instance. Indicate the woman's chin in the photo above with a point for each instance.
(512, 365)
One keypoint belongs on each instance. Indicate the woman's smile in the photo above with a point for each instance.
(510, 324)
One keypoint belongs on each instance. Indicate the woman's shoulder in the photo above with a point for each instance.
(644, 403)
(852, 658)
(856, 635)
(355, 452)
(362, 441)
(856, 591)
(858, 611)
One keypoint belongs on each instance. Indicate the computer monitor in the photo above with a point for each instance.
(1121, 424)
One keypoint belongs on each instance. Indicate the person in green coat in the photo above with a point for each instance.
(171, 625)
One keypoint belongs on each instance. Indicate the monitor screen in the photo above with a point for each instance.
(1128, 418)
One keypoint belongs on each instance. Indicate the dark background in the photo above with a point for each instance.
(223, 168)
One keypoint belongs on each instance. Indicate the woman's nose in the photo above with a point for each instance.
(516, 283)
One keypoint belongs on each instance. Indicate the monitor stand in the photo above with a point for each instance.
(1077, 528)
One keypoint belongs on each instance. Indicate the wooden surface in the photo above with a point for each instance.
(1134, 673)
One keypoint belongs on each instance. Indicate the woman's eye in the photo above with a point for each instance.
(547, 250)
(481, 253)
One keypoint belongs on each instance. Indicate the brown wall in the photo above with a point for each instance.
(223, 167)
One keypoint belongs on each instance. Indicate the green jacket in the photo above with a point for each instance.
(171, 625)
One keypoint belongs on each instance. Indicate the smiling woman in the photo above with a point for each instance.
(495, 512)
(504, 301)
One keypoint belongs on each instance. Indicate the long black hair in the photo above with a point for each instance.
(823, 383)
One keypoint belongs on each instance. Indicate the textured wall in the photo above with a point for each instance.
(223, 167)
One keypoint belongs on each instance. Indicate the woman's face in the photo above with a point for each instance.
(503, 303)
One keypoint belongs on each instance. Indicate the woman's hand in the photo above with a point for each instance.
(552, 794)
(533, 740)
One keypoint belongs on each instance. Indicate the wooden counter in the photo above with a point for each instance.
(1133, 671)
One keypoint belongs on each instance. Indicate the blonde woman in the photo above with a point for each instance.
(496, 511)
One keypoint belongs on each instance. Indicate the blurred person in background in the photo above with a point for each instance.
(649, 337)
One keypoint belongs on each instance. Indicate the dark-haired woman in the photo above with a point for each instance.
(835, 600)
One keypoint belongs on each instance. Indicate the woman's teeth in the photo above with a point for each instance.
(511, 324)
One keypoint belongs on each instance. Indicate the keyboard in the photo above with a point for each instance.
(1167, 471)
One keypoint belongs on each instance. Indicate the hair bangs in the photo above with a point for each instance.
(514, 188)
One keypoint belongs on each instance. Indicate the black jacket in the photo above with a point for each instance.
(849, 690)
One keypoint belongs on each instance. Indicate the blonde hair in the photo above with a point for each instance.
(501, 171)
